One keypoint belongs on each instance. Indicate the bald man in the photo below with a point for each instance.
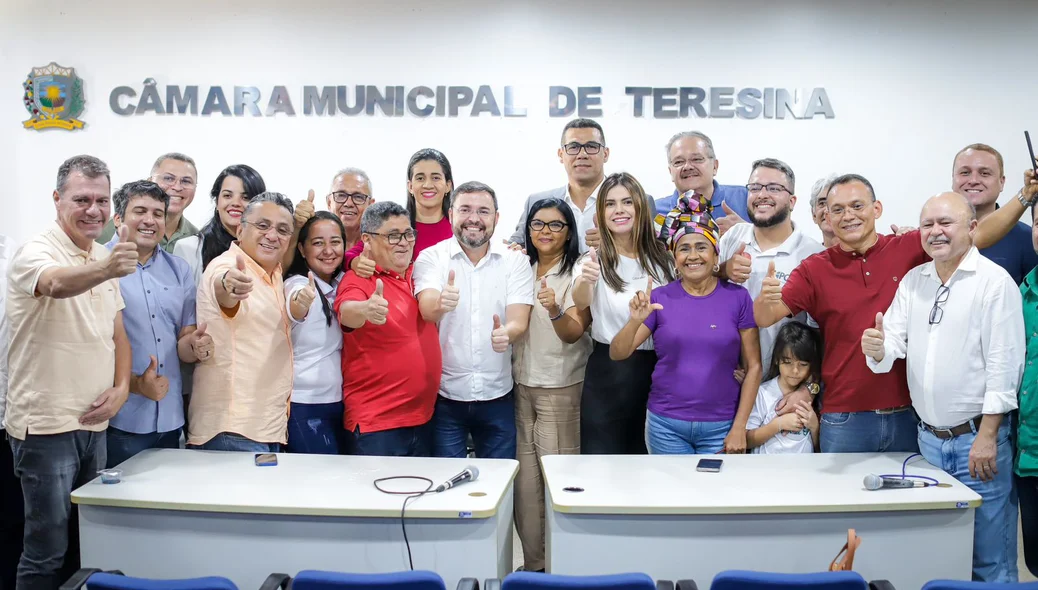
(962, 314)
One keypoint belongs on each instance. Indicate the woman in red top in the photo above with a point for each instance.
(429, 185)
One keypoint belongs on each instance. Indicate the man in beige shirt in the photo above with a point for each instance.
(69, 363)
(240, 398)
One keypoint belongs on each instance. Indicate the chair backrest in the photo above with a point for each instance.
(961, 585)
(538, 581)
(744, 580)
(416, 580)
(103, 581)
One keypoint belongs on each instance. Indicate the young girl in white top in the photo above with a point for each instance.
(797, 357)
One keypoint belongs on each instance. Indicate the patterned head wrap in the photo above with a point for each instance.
(691, 215)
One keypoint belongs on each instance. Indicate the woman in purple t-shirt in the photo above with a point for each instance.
(701, 327)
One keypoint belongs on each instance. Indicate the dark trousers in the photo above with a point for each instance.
(315, 429)
(1027, 490)
(612, 405)
(49, 467)
(409, 441)
(491, 424)
(122, 445)
(12, 519)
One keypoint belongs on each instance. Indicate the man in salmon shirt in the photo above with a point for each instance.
(391, 359)
(843, 288)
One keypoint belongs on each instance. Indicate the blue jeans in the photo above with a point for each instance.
(122, 445)
(228, 441)
(869, 432)
(491, 424)
(315, 429)
(49, 467)
(409, 441)
(994, 529)
(668, 436)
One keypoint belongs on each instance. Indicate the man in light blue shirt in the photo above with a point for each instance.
(160, 322)
(693, 165)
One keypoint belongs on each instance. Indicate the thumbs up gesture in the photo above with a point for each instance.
(641, 305)
(771, 288)
(872, 340)
(201, 343)
(363, 266)
(306, 296)
(152, 385)
(304, 210)
(591, 236)
(449, 295)
(591, 271)
(122, 260)
(236, 282)
(377, 309)
(739, 265)
(499, 337)
(730, 218)
(546, 297)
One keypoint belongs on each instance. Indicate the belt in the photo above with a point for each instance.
(893, 410)
(946, 433)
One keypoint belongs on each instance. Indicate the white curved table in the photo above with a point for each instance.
(185, 513)
(780, 513)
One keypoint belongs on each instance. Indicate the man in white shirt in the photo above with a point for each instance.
(962, 314)
(481, 296)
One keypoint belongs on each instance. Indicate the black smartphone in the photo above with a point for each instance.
(1030, 150)
(710, 465)
(266, 459)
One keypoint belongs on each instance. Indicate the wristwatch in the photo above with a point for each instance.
(813, 388)
(1023, 200)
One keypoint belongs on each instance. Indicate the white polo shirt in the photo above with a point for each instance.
(472, 371)
(787, 256)
(316, 346)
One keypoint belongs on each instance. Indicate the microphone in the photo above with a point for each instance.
(876, 482)
(470, 473)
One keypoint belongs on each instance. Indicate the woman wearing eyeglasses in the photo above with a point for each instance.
(548, 364)
(612, 405)
(231, 191)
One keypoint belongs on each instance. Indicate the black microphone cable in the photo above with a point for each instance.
(410, 496)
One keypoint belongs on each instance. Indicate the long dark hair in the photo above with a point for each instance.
(448, 178)
(801, 342)
(214, 236)
(301, 267)
(652, 254)
(571, 249)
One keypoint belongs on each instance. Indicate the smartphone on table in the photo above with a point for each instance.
(710, 465)
(266, 459)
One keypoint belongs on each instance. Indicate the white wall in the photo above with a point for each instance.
(910, 83)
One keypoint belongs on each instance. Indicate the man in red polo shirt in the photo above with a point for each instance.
(843, 288)
(391, 359)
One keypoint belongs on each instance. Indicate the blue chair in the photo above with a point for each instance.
(538, 581)
(961, 585)
(415, 580)
(745, 580)
(97, 580)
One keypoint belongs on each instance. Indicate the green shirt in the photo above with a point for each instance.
(186, 229)
(1027, 434)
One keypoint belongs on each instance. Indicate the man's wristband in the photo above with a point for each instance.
(562, 312)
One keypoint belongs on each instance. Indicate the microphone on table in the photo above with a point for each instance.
(877, 482)
(470, 473)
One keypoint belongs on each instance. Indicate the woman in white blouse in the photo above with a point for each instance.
(315, 417)
(548, 367)
(613, 402)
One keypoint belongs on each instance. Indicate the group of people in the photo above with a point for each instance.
(608, 322)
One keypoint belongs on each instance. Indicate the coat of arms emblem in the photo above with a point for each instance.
(54, 98)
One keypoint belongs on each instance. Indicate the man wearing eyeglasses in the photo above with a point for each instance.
(240, 396)
(583, 153)
(391, 359)
(771, 237)
(693, 166)
(176, 174)
(349, 196)
(957, 321)
(842, 288)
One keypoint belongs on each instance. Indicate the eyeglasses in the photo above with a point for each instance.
(937, 313)
(838, 211)
(265, 226)
(773, 188)
(169, 180)
(483, 212)
(358, 198)
(696, 161)
(395, 237)
(591, 148)
(553, 226)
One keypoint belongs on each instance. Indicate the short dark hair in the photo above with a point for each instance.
(89, 166)
(378, 213)
(983, 147)
(776, 164)
(174, 156)
(268, 197)
(474, 186)
(583, 124)
(432, 155)
(801, 342)
(138, 188)
(849, 178)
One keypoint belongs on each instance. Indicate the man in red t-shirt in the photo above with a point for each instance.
(391, 358)
(843, 288)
